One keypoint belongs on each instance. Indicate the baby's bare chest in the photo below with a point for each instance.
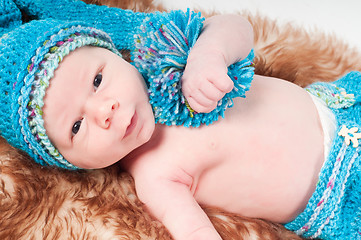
(267, 151)
(261, 160)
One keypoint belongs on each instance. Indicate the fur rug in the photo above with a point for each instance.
(42, 203)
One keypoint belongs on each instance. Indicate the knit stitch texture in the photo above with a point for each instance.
(119, 24)
(334, 210)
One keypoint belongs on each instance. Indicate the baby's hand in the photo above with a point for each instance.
(205, 80)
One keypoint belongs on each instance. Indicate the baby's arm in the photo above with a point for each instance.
(170, 200)
(225, 39)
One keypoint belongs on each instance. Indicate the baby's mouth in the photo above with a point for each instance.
(132, 125)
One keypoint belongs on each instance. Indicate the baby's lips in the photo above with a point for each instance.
(132, 125)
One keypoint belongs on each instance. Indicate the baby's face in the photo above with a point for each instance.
(96, 108)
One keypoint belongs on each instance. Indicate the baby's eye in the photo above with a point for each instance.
(97, 80)
(76, 127)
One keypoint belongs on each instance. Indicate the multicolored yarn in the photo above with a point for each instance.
(162, 47)
(333, 96)
(334, 210)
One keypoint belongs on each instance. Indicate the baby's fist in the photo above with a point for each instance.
(205, 82)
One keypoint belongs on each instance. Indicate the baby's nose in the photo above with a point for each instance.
(102, 111)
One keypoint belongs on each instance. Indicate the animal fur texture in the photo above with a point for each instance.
(41, 203)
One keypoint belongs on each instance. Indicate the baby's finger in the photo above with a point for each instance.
(211, 92)
(196, 106)
(224, 83)
(200, 98)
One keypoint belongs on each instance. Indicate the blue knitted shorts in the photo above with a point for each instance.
(334, 209)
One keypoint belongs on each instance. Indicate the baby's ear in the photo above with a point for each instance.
(10, 16)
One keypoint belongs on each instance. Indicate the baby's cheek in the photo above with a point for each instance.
(146, 132)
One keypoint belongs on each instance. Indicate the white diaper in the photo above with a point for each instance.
(328, 122)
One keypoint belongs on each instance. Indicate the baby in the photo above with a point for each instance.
(283, 153)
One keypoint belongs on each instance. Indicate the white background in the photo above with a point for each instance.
(339, 17)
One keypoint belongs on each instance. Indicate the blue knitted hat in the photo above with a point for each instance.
(29, 55)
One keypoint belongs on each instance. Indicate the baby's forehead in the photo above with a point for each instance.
(85, 52)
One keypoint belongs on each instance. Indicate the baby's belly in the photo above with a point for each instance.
(272, 154)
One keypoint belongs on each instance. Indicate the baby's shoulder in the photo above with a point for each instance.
(153, 163)
(153, 174)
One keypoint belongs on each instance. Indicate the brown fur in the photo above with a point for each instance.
(42, 203)
(302, 57)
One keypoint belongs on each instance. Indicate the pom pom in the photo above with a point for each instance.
(161, 51)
